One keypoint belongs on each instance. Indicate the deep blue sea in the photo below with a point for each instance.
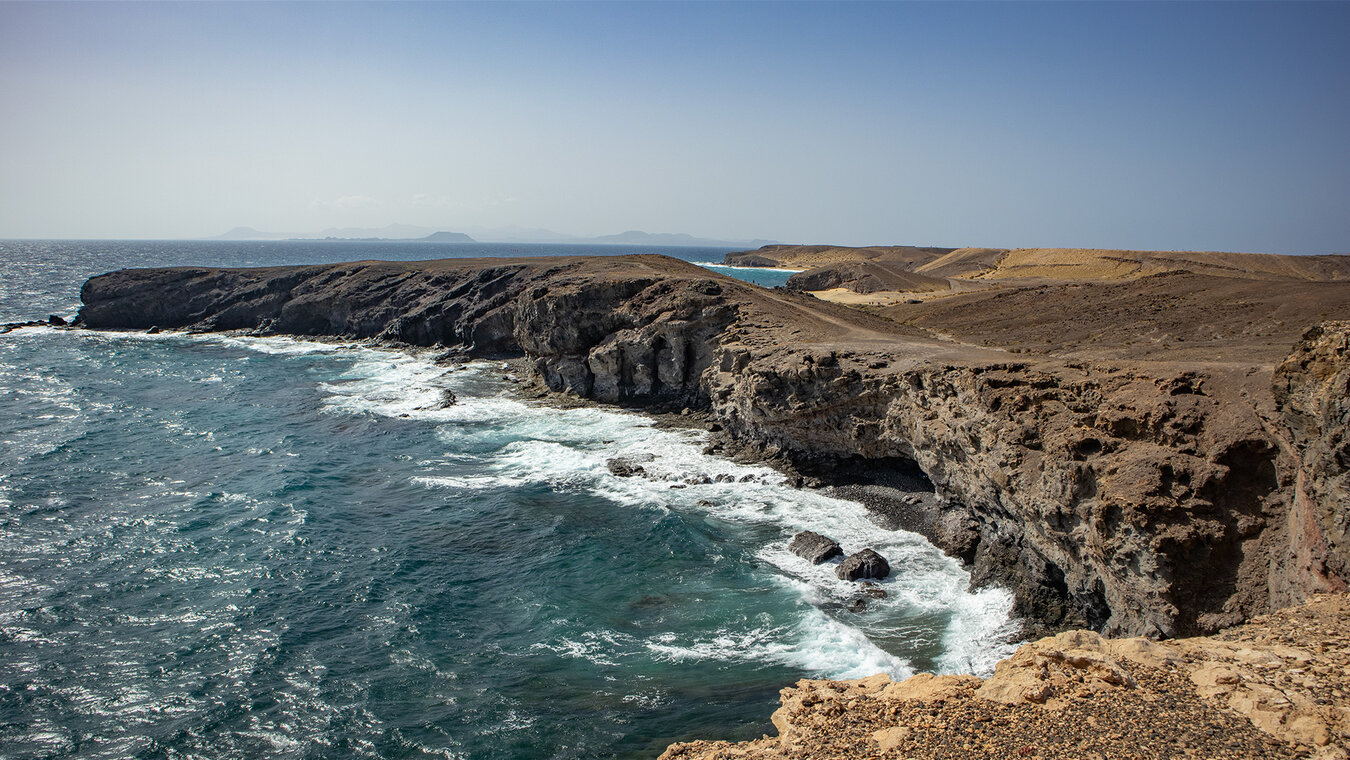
(222, 547)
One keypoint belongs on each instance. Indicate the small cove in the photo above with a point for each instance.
(225, 547)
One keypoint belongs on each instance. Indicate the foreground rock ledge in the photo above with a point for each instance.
(1277, 687)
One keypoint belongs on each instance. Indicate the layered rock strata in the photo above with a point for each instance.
(1274, 688)
(1138, 499)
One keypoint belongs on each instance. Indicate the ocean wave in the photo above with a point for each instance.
(713, 265)
(513, 443)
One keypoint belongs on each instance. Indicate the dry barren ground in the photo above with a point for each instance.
(1277, 687)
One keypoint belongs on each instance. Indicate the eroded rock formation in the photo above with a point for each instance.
(1312, 388)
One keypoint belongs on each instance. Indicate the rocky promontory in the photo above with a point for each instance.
(1273, 688)
(1129, 496)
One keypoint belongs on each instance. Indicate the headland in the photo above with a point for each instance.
(1140, 445)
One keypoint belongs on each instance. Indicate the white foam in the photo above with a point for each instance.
(469, 483)
(593, 646)
(505, 442)
(713, 265)
(818, 644)
(281, 345)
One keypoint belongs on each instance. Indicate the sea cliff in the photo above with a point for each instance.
(1139, 498)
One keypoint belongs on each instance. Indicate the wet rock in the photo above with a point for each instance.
(448, 398)
(16, 325)
(858, 605)
(873, 590)
(623, 468)
(814, 548)
(56, 321)
(864, 564)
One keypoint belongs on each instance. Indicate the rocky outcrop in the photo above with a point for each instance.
(1143, 499)
(814, 548)
(469, 307)
(1274, 688)
(645, 334)
(1312, 388)
(1127, 502)
(864, 565)
(51, 321)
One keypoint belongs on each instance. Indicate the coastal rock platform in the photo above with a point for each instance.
(1277, 687)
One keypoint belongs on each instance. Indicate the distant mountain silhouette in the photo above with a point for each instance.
(409, 233)
(447, 237)
(638, 237)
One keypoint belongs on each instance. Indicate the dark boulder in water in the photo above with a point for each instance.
(864, 564)
(623, 468)
(56, 321)
(815, 548)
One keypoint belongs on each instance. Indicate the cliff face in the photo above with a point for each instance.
(1312, 388)
(1136, 500)
(1126, 502)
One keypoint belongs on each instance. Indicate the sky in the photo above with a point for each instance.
(1174, 126)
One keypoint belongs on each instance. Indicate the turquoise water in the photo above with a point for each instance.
(767, 278)
(219, 547)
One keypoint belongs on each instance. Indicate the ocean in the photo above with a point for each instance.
(227, 547)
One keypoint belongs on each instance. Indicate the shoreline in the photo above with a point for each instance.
(1160, 498)
(1020, 450)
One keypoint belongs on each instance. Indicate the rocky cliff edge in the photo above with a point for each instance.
(1276, 687)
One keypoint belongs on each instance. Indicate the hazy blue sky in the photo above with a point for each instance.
(1147, 125)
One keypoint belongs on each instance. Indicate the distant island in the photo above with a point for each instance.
(411, 233)
(435, 237)
(394, 233)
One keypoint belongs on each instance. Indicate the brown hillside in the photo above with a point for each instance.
(811, 256)
(1175, 316)
(1090, 264)
(866, 277)
(963, 262)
